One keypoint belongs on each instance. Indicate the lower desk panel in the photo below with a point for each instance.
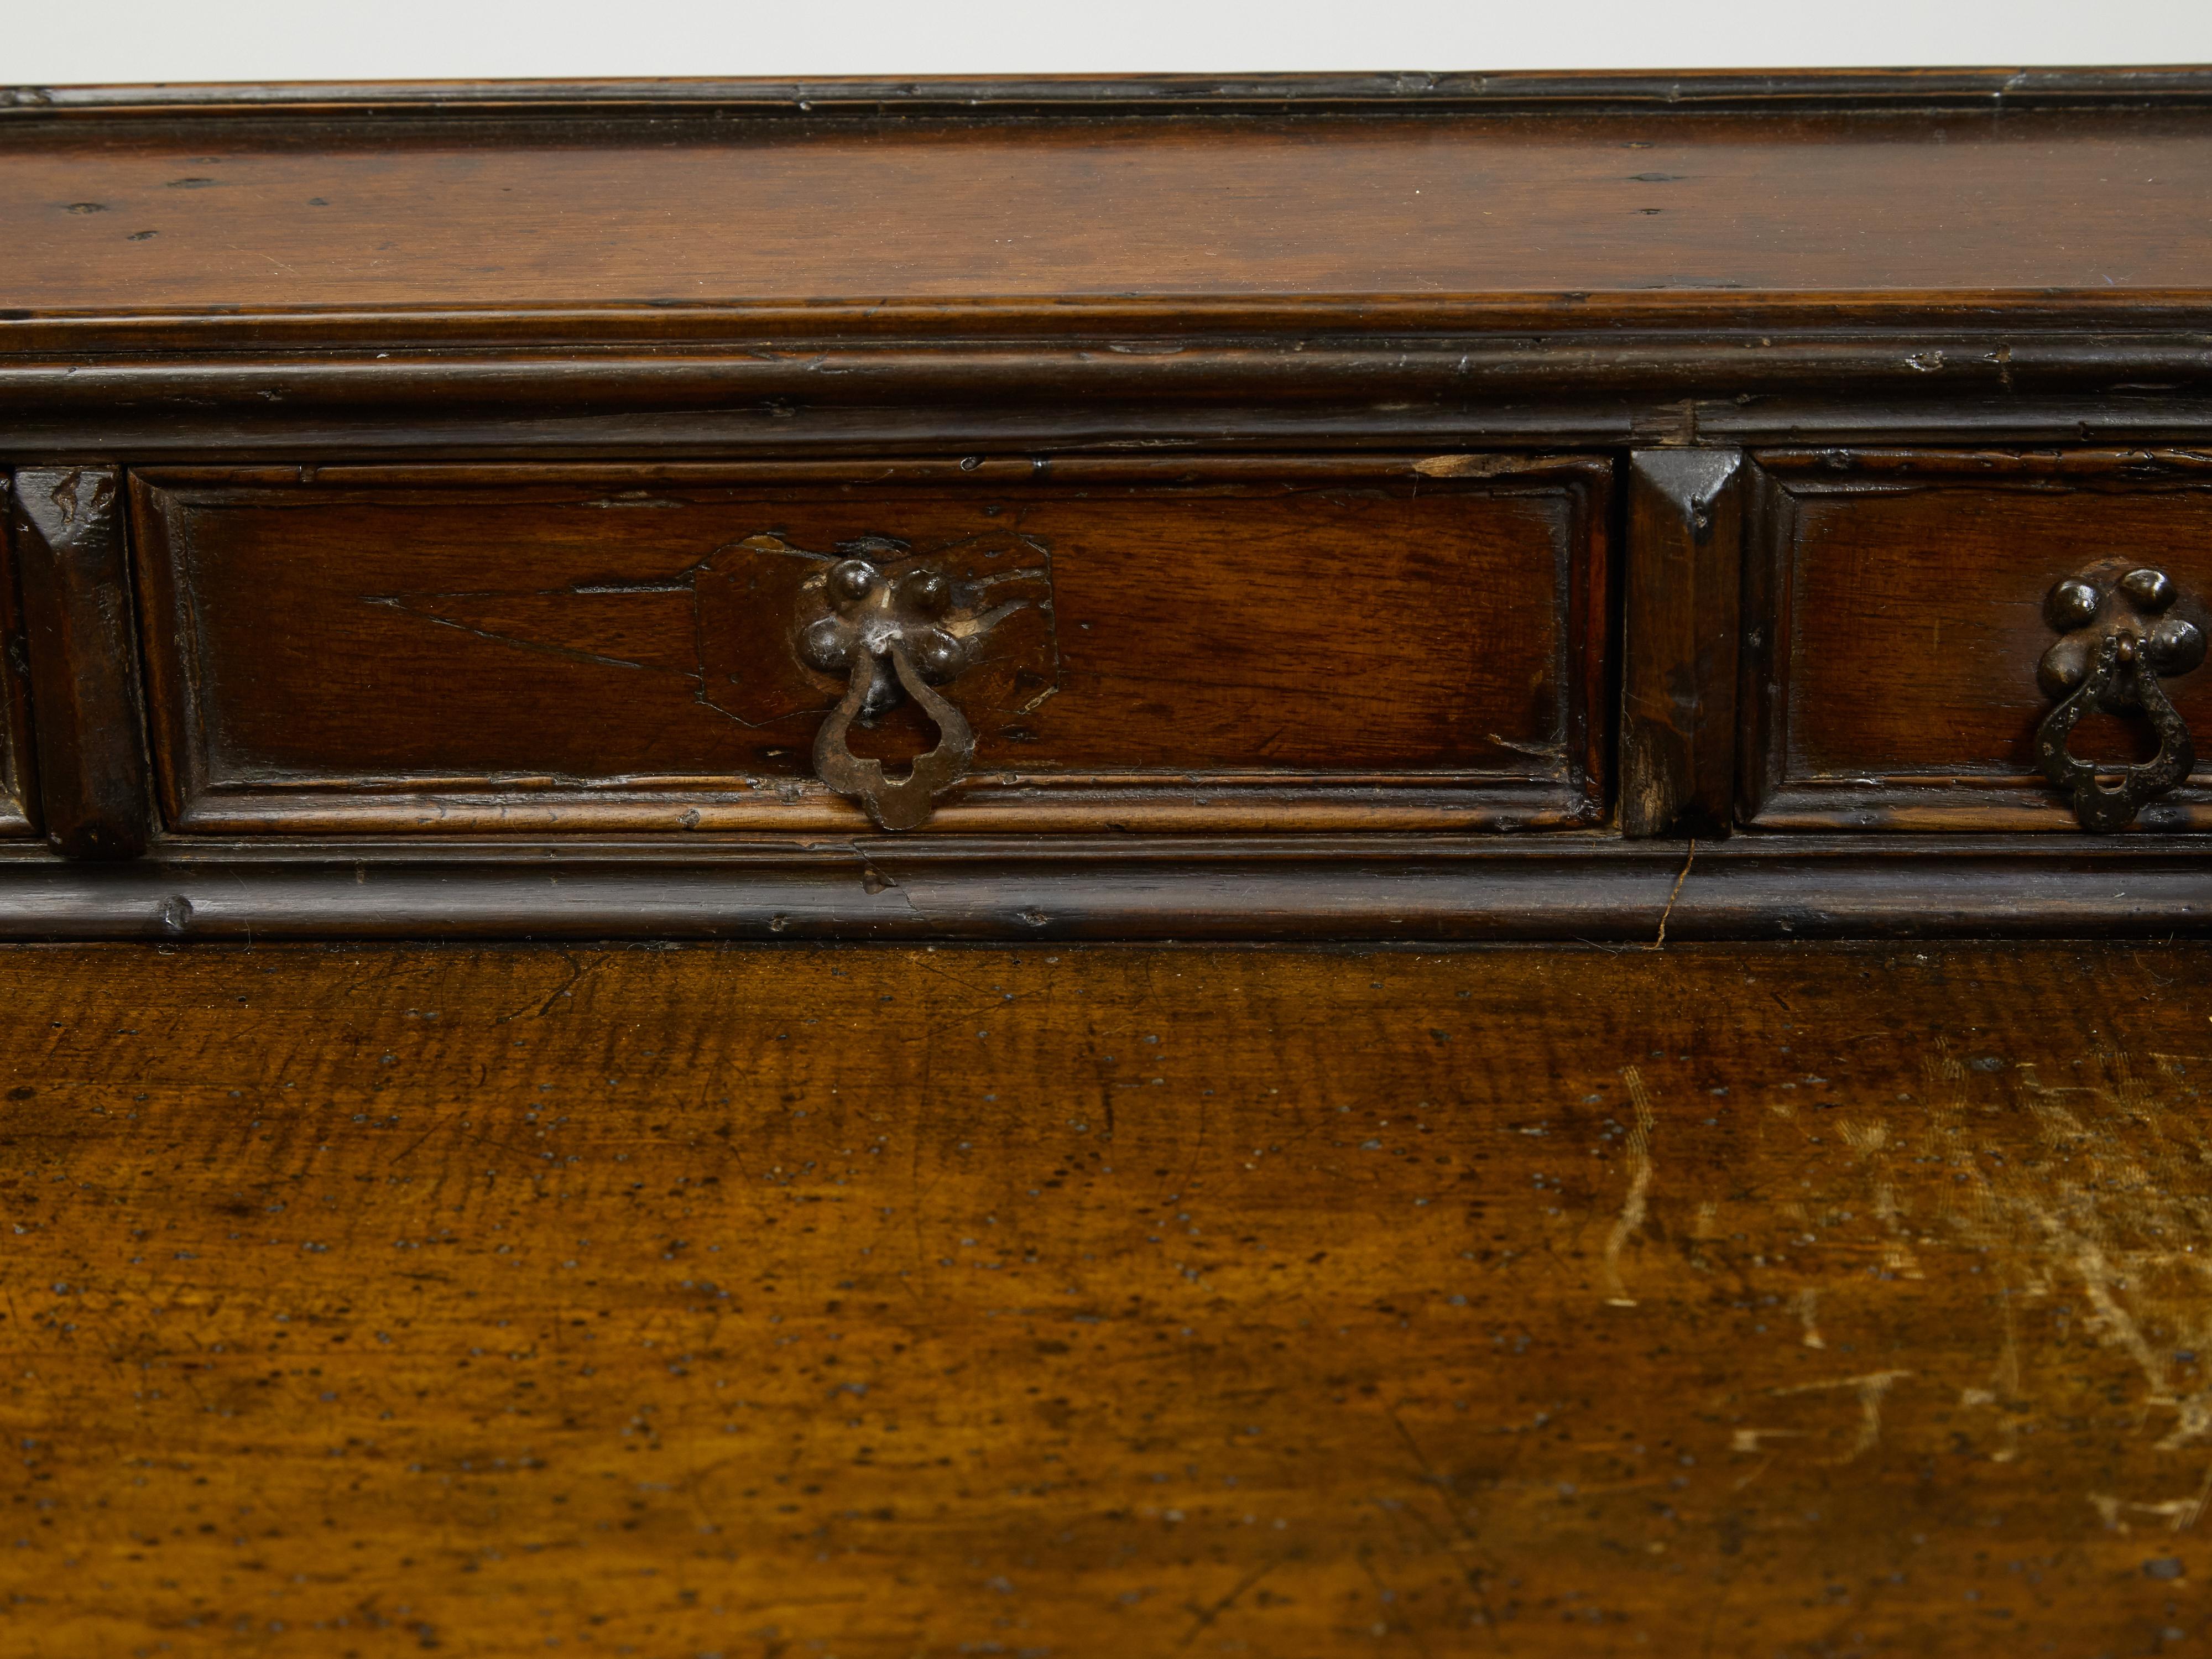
(885, 1302)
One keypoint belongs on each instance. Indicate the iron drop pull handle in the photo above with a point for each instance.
(893, 637)
(2117, 642)
(893, 802)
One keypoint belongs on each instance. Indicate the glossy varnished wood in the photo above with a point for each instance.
(1270, 643)
(911, 1302)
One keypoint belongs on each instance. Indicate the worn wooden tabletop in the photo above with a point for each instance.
(902, 1302)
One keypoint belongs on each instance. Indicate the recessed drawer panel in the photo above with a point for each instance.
(1907, 639)
(1249, 645)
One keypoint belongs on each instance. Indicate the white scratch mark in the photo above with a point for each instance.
(1870, 1388)
(2179, 1513)
(1808, 1301)
(1640, 1182)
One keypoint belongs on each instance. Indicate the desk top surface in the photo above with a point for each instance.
(1593, 206)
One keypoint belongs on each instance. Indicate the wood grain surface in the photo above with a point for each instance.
(774, 1302)
(291, 217)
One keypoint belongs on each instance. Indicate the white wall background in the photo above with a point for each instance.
(50, 42)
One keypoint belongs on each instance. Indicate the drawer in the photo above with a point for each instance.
(1249, 645)
(16, 820)
(1898, 612)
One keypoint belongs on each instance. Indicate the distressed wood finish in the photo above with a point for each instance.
(898, 1303)
(1408, 642)
(1897, 616)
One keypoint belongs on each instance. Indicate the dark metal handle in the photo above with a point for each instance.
(893, 636)
(2098, 808)
(893, 802)
(2116, 643)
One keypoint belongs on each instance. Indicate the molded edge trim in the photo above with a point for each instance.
(1636, 897)
(1136, 94)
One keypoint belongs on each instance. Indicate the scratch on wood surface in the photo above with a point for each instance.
(544, 1005)
(1865, 1139)
(2095, 1272)
(2110, 1206)
(1868, 1141)
(1469, 466)
(1673, 893)
(1639, 1183)
(2123, 1194)
(1808, 1300)
(2005, 1379)
(1870, 1388)
(2175, 1067)
(1201, 1617)
(2179, 1513)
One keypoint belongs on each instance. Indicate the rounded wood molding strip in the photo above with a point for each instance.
(1622, 894)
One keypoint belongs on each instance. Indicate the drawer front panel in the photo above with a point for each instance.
(1240, 645)
(1896, 613)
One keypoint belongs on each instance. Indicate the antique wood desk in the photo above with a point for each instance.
(752, 840)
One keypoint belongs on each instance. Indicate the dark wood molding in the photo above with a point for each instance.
(1957, 804)
(969, 98)
(195, 400)
(1684, 571)
(1594, 888)
(1023, 804)
(1935, 341)
(82, 654)
(1764, 645)
(18, 776)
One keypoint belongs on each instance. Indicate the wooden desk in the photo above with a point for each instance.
(1298, 866)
